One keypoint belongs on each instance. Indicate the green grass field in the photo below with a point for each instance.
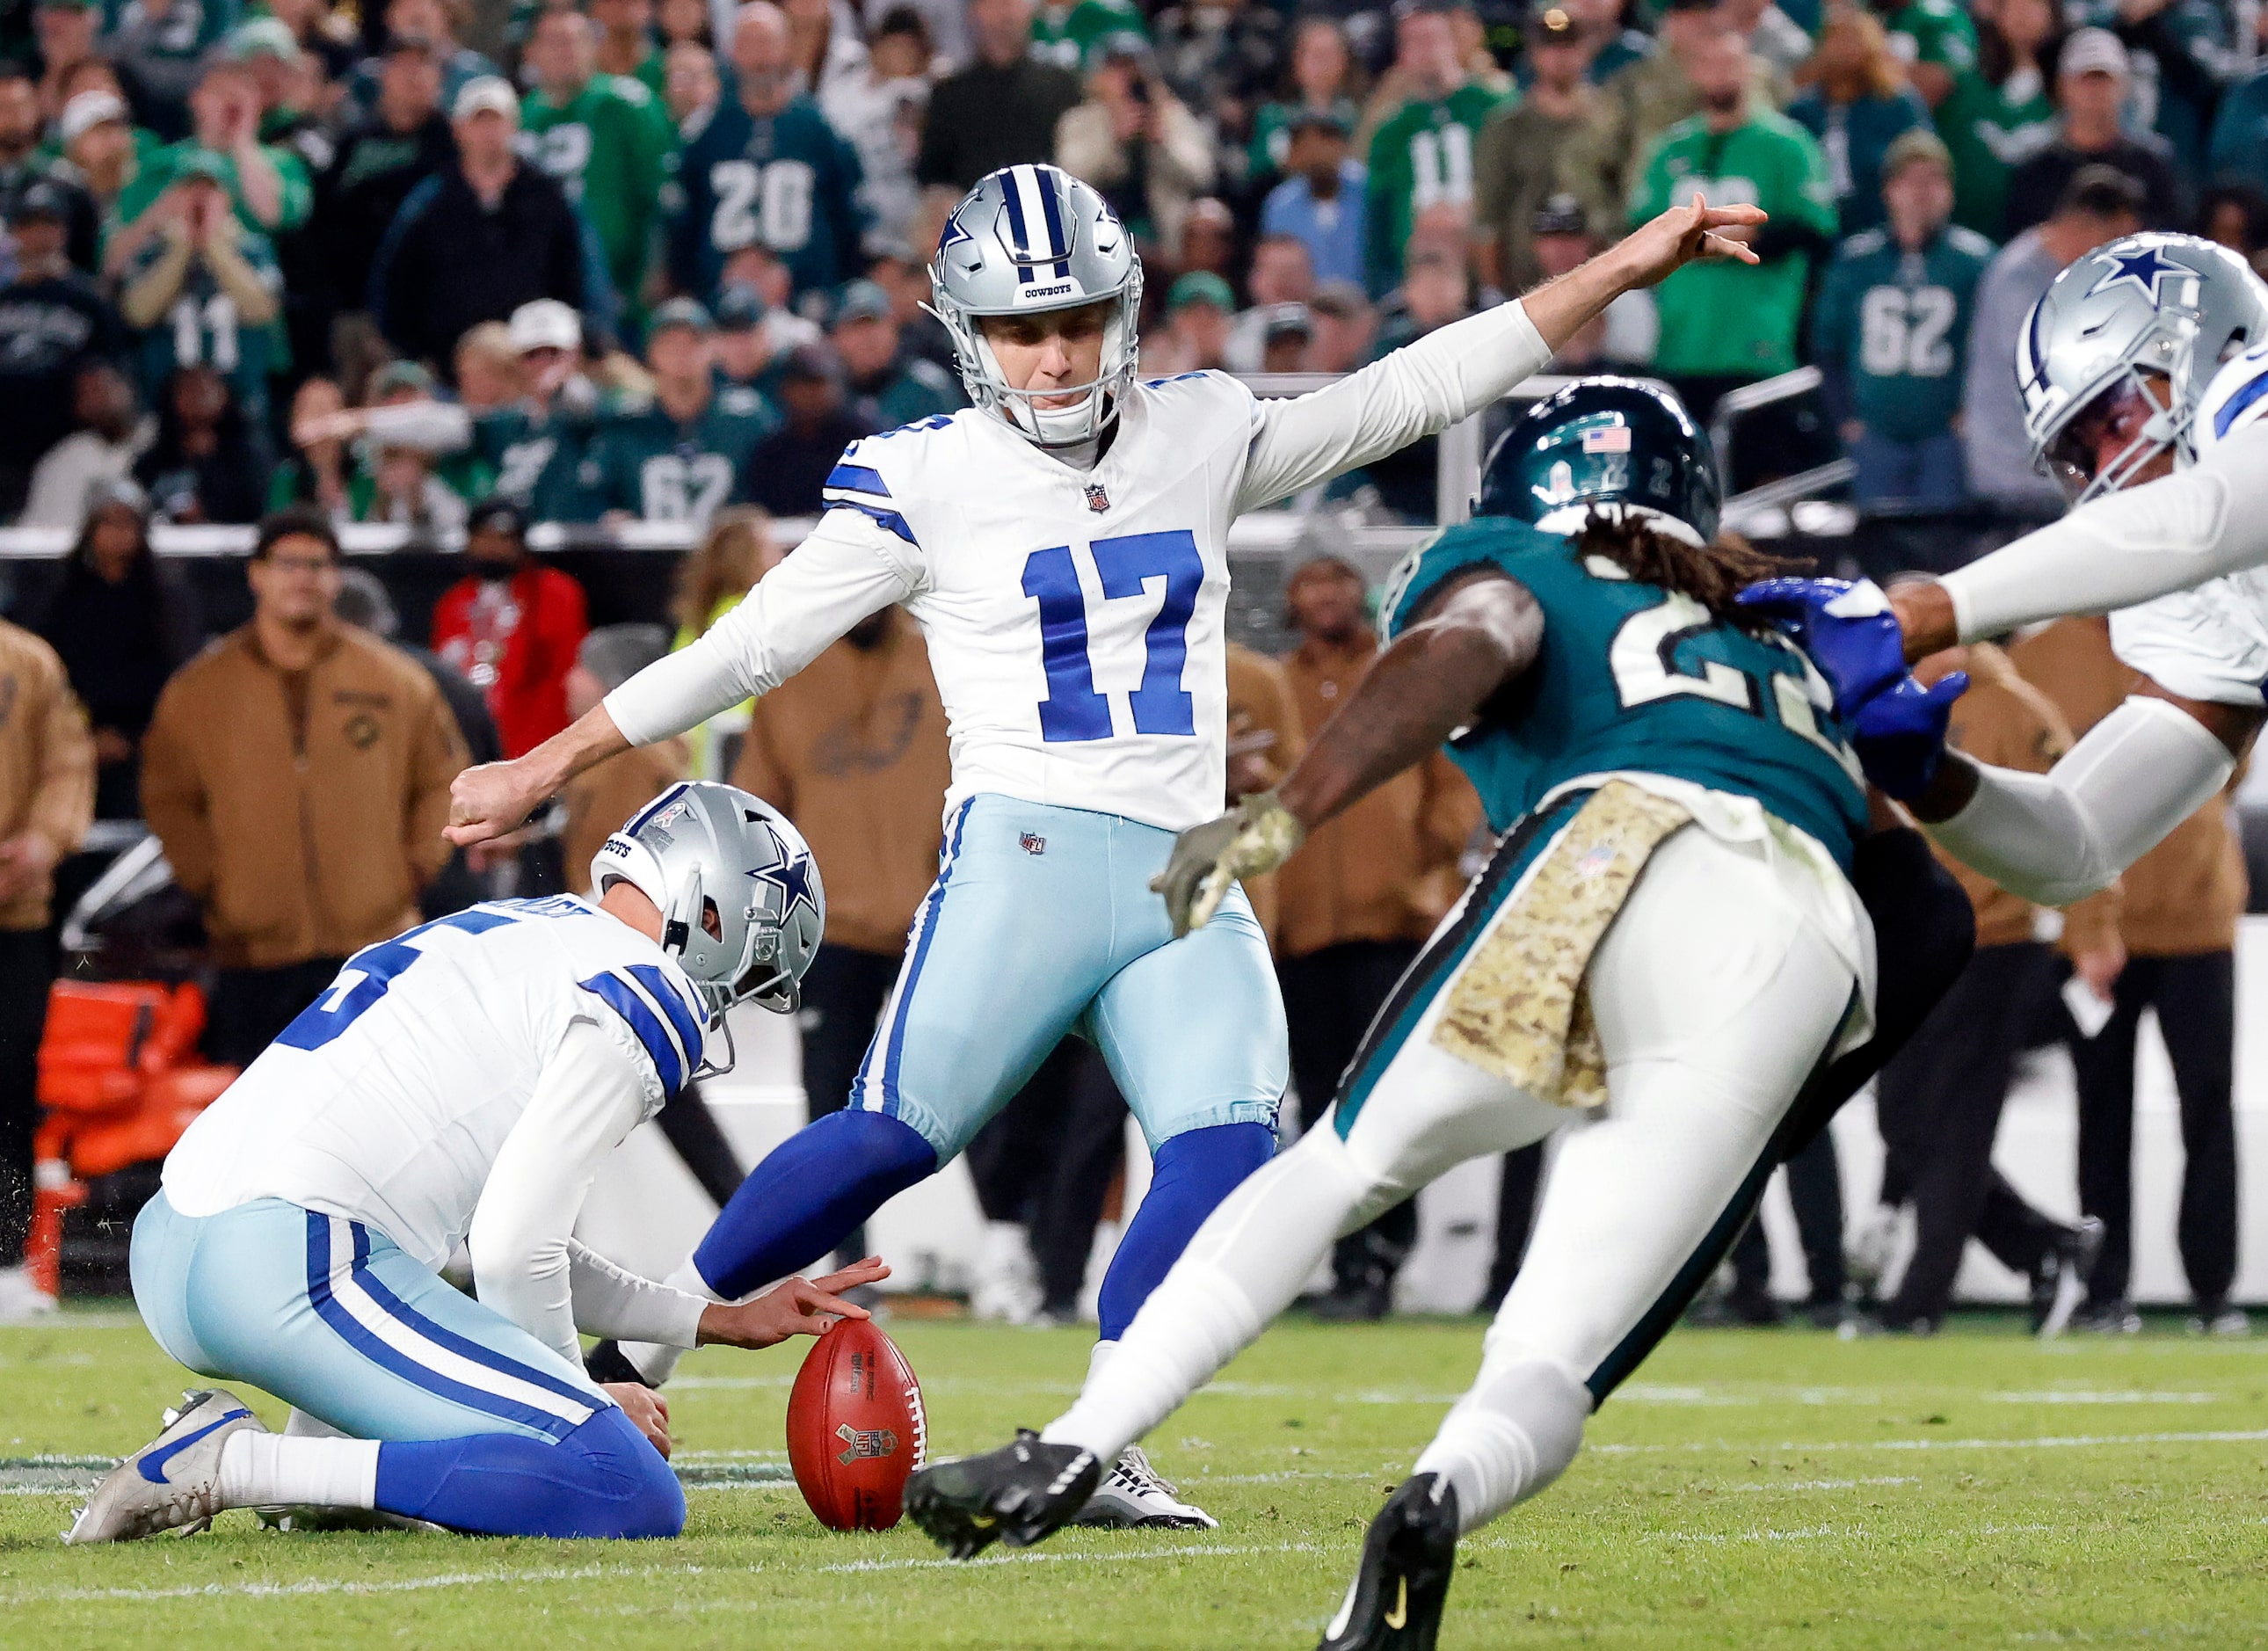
(1750, 1490)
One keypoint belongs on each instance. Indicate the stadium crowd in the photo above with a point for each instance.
(467, 267)
(645, 260)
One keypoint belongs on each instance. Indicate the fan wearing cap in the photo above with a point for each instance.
(1321, 204)
(204, 292)
(101, 151)
(681, 455)
(888, 385)
(2092, 79)
(477, 240)
(1199, 310)
(511, 625)
(767, 169)
(1516, 156)
(57, 322)
(792, 470)
(401, 140)
(1890, 330)
(604, 138)
(21, 165)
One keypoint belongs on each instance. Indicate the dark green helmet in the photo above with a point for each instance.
(1602, 442)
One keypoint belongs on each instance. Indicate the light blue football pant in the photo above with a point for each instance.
(333, 1318)
(1042, 922)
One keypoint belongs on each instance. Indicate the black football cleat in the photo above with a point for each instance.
(1020, 1494)
(606, 1362)
(1394, 1602)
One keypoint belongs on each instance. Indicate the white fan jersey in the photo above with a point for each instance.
(1075, 618)
(388, 1101)
(2211, 642)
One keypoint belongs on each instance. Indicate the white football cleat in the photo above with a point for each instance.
(22, 1301)
(1006, 1287)
(1133, 1496)
(174, 1480)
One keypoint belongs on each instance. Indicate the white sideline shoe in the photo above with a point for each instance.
(1007, 1288)
(22, 1301)
(1132, 1495)
(174, 1480)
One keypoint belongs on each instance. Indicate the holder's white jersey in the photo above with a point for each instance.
(389, 1099)
(2211, 642)
(1075, 618)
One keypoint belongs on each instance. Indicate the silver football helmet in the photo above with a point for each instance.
(1029, 239)
(2171, 308)
(700, 848)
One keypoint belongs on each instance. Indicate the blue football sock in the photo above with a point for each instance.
(1191, 1174)
(602, 1480)
(802, 1201)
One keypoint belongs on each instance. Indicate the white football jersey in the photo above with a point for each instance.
(2211, 643)
(1075, 618)
(388, 1099)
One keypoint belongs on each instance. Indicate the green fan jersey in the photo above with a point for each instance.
(1897, 324)
(652, 466)
(1635, 677)
(1933, 32)
(158, 173)
(608, 147)
(1990, 131)
(1719, 315)
(1421, 157)
(1066, 35)
(541, 462)
(202, 327)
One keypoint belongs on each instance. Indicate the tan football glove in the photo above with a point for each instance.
(1256, 836)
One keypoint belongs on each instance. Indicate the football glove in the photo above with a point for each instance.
(1256, 836)
(1900, 734)
(1847, 627)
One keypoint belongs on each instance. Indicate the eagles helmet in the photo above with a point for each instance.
(700, 847)
(1030, 238)
(1606, 444)
(2172, 306)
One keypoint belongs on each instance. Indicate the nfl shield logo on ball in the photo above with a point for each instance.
(864, 1443)
(1097, 500)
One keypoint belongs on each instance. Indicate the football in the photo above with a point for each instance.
(855, 1427)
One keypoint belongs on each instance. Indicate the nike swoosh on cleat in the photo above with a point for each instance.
(1399, 1616)
(153, 1465)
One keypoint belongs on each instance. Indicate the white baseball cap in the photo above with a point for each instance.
(88, 110)
(546, 324)
(2093, 52)
(486, 94)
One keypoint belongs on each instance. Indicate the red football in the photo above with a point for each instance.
(855, 1427)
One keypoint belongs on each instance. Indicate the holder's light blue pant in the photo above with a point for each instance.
(1042, 922)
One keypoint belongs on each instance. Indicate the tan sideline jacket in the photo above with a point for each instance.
(2184, 896)
(852, 749)
(47, 762)
(1386, 869)
(303, 810)
(1263, 716)
(2005, 721)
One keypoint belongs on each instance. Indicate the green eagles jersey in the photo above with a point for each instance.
(201, 328)
(1635, 677)
(1933, 32)
(156, 176)
(1719, 315)
(1990, 131)
(1421, 157)
(1895, 323)
(1066, 35)
(915, 389)
(650, 465)
(541, 462)
(606, 147)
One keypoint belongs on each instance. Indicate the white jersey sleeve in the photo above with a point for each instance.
(850, 565)
(2199, 524)
(1418, 390)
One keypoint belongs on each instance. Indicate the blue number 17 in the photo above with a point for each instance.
(1073, 710)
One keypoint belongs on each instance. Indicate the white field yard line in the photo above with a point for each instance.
(2218, 1437)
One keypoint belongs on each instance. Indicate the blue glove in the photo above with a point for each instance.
(1900, 735)
(1845, 626)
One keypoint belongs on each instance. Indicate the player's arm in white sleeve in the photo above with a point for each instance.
(2056, 837)
(2126, 548)
(849, 567)
(591, 1093)
(1452, 373)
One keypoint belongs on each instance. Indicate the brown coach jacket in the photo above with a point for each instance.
(47, 762)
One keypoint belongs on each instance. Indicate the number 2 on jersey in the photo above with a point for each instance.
(1073, 710)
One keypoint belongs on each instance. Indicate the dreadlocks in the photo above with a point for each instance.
(1710, 574)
